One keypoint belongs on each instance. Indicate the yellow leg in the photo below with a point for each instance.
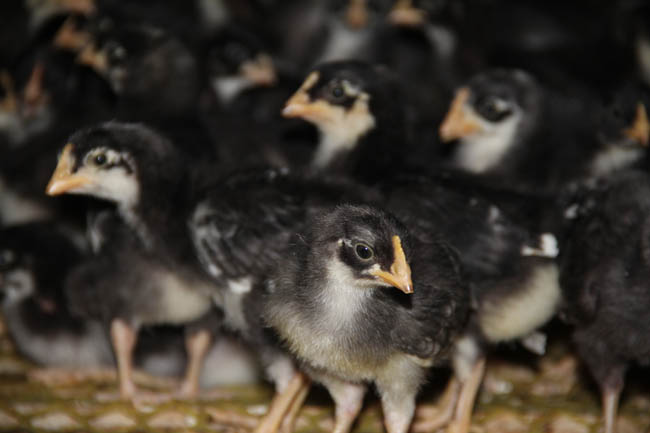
(469, 389)
(281, 404)
(197, 345)
(124, 338)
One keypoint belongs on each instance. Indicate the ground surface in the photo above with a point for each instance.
(546, 395)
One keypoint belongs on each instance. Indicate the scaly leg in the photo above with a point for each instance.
(124, 338)
(281, 404)
(348, 398)
(468, 392)
(444, 410)
(610, 406)
(290, 418)
(197, 345)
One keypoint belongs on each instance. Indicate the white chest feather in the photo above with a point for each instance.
(482, 151)
(228, 88)
(182, 301)
(615, 158)
(14, 208)
(342, 132)
(232, 303)
(523, 312)
(343, 42)
(323, 340)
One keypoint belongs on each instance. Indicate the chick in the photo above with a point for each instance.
(606, 294)
(623, 131)
(145, 175)
(511, 272)
(509, 127)
(334, 306)
(356, 108)
(242, 109)
(35, 259)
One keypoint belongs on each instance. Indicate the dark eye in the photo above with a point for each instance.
(100, 159)
(493, 109)
(337, 92)
(236, 53)
(364, 252)
(6, 258)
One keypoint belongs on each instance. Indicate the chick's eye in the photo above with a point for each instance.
(493, 109)
(364, 252)
(100, 159)
(337, 92)
(6, 258)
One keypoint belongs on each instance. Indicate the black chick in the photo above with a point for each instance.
(334, 306)
(241, 231)
(153, 72)
(356, 107)
(147, 178)
(235, 60)
(242, 110)
(624, 130)
(511, 272)
(193, 228)
(606, 294)
(510, 127)
(35, 260)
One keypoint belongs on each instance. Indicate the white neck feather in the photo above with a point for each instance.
(480, 152)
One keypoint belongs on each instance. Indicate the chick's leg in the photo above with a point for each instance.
(610, 407)
(469, 389)
(282, 403)
(611, 381)
(431, 419)
(197, 345)
(348, 398)
(124, 338)
(398, 385)
(292, 414)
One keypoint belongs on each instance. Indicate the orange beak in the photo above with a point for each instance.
(97, 60)
(260, 70)
(68, 38)
(299, 105)
(400, 271)
(405, 15)
(63, 179)
(34, 87)
(356, 14)
(458, 123)
(640, 129)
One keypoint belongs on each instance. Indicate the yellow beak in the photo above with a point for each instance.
(457, 123)
(69, 38)
(640, 129)
(260, 70)
(97, 60)
(406, 15)
(356, 14)
(63, 179)
(400, 271)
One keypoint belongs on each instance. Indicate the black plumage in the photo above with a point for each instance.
(241, 108)
(358, 109)
(145, 175)
(335, 307)
(512, 128)
(229, 239)
(511, 272)
(604, 274)
(35, 260)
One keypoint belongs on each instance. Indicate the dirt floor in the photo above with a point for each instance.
(521, 393)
